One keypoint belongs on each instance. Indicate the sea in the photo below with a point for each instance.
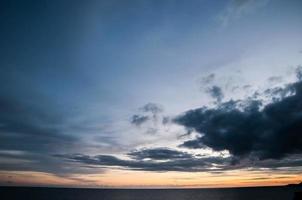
(255, 193)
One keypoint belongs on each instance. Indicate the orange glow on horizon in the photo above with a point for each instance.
(139, 179)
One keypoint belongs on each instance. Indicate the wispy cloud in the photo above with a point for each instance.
(239, 8)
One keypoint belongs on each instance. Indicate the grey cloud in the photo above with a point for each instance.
(183, 164)
(278, 93)
(152, 107)
(212, 164)
(193, 144)
(299, 72)
(162, 159)
(216, 93)
(159, 154)
(149, 112)
(139, 119)
(151, 131)
(245, 87)
(275, 79)
(208, 79)
(239, 8)
(166, 120)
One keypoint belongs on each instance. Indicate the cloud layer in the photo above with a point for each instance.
(158, 159)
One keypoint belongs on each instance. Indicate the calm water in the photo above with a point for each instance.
(260, 193)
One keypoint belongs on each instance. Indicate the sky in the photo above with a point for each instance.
(150, 93)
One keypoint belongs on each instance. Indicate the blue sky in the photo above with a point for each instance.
(74, 74)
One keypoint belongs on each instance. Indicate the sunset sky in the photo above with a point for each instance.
(150, 93)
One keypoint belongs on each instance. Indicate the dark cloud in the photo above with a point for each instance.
(246, 129)
(276, 92)
(216, 93)
(176, 164)
(162, 160)
(159, 154)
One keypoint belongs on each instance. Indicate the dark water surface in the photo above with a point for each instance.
(259, 193)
